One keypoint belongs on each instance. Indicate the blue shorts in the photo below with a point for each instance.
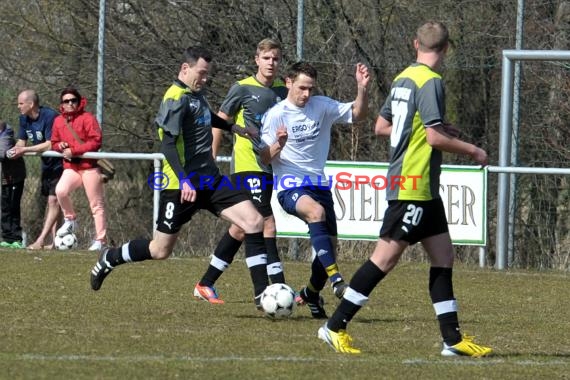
(323, 195)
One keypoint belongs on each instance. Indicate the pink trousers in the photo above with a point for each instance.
(91, 180)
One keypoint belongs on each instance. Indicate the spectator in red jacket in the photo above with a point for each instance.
(75, 132)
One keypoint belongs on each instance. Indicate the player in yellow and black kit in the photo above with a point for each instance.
(413, 116)
(185, 124)
(246, 103)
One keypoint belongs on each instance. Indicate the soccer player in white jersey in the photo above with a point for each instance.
(296, 136)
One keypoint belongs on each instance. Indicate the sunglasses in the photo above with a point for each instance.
(70, 101)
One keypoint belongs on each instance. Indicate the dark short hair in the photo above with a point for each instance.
(301, 67)
(70, 90)
(194, 53)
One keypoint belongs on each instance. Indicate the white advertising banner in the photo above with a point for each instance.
(360, 202)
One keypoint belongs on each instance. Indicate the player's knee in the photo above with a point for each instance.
(258, 222)
(160, 252)
(253, 223)
(316, 214)
(269, 230)
(236, 232)
(269, 222)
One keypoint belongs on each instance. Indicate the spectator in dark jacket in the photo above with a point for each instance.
(34, 136)
(13, 177)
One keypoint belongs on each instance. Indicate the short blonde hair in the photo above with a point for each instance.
(267, 44)
(432, 36)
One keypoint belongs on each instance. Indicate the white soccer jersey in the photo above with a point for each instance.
(302, 160)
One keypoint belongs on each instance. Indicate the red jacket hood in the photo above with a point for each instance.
(80, 109)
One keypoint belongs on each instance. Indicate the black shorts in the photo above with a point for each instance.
(259, 187)
(412, 221)
(172, 214)
(48, 182)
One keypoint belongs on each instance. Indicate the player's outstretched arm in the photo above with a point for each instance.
(439, 139)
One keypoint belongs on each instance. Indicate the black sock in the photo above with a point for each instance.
(134, 250)
(256, 259)
(223, 256)
(274, 265)
(362, 283)
(441, 292)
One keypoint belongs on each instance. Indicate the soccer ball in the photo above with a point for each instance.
(66, 242)
(278, 301)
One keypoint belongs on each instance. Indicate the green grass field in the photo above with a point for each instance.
(144, 324)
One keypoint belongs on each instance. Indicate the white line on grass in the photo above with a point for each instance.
(335, 359)
(485, 361)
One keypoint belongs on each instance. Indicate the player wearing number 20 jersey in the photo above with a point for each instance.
(413, 117)
(415, 102)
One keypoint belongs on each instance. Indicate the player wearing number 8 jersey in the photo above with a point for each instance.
(413, 116)
(184, 124)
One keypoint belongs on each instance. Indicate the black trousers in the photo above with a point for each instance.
(11, 218)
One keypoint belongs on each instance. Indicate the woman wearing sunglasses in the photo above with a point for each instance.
(75, 132)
